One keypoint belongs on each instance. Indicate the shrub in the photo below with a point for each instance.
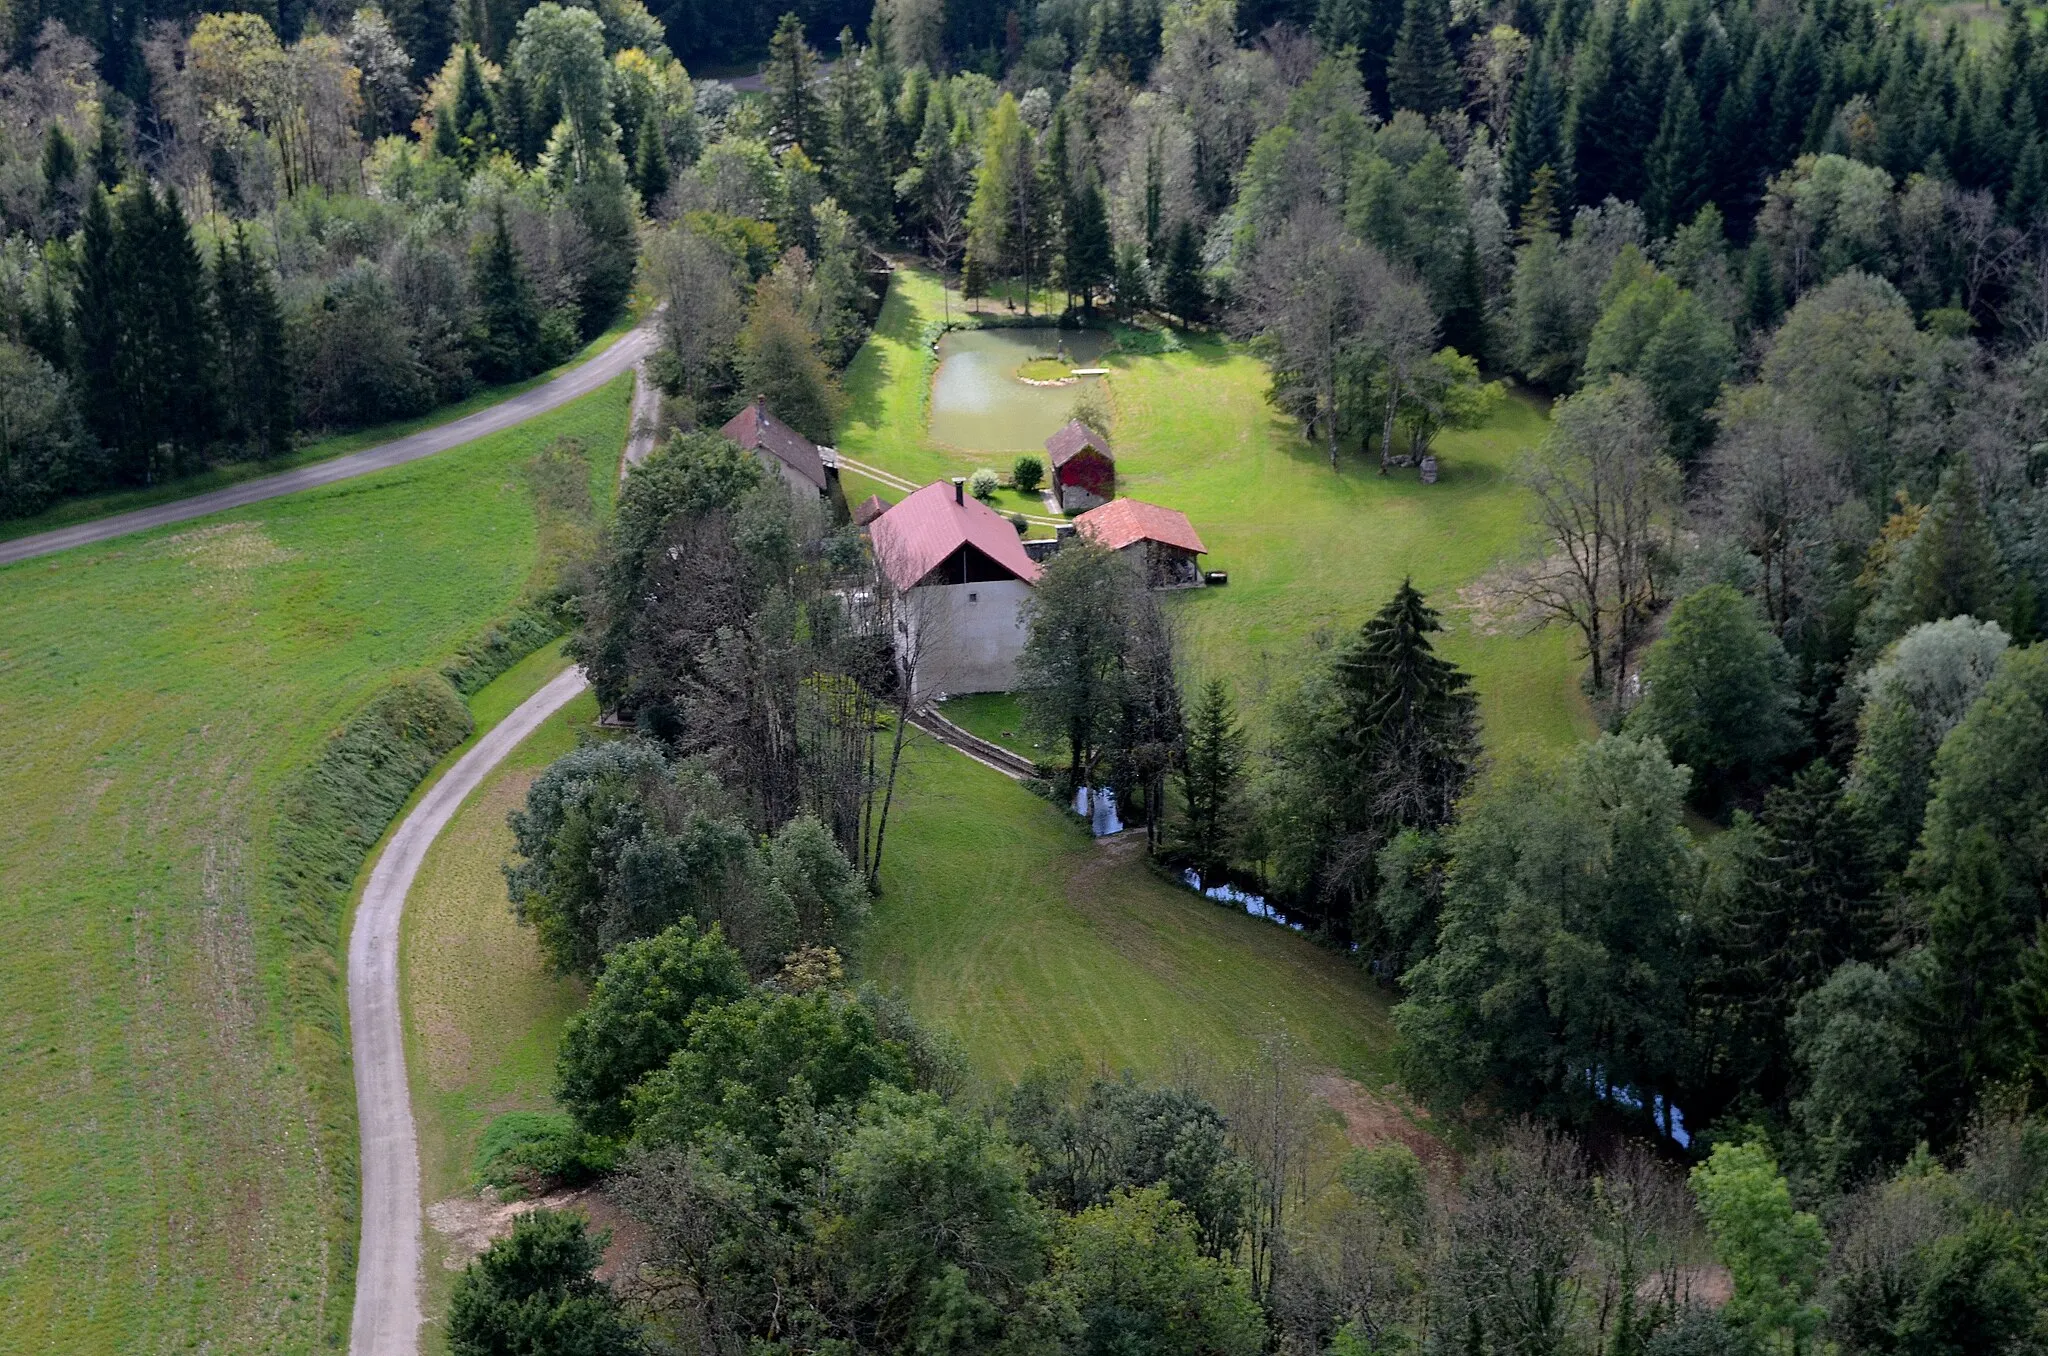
(1027, 473)
(983, 484)
(1017, 521)
(523, 1148)
(536, 1291)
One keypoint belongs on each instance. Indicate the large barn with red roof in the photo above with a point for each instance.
(963, 578)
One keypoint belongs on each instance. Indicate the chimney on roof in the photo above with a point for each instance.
(960, 489)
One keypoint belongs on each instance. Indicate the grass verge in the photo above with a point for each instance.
(166, 1184)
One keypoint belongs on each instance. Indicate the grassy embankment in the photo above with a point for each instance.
(1311, 552)
(86, 507)
(164, 1186)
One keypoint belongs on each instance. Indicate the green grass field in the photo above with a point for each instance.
(159, 1191)
(1002, 922)
(1310, 552)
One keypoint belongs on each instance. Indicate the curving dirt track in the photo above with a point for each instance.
(387, 1312)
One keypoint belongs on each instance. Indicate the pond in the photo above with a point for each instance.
(979, 404)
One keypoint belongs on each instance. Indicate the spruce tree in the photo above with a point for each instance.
(1951, 567)
(1606, 153)
(256, 379)
(518, 129)
(1971, 975)
(1678, 161)
(792, 89)
(60, 166)
(1423, 74)
(106, 151)
(650, 163)
(504, 340)
(1209, 777)
(1464, 311)
(96, 300)
(472, 111)
(856, 158)
(1535, 136)
(1409, 718)
(1089, 254)
(1182, 291)
(1369, 28)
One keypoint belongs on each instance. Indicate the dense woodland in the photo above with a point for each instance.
(1739, 1009)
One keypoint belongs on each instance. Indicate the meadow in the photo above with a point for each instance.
(162, 1187)
(1310, 552)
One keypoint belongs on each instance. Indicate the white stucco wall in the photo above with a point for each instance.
(803, 489)
(965, 637)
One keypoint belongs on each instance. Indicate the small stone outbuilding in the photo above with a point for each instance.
(781, 448)
(1162, 538)
(1083, 467)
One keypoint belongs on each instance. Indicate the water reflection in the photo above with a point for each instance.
(977, 400)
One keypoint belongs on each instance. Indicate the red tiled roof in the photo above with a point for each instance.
(871, 508)
(759, 431)
(923, 529)
(1121, 522)
(1073, 440)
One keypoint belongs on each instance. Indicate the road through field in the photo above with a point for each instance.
(630, 348)
(387, 1312)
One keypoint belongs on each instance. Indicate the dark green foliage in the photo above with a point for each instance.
(1605, 123)
(1385, 742)
(1089, 260)
(747, 1068)
(1089, 1141)
(1370, 29)
(1856, 1053)
(44, 448)
(1564, 948)
(504, 338)
(634, 1021)
(1423, 75)
(1210, 775)
(615, 844)
(535, 1292)
(1535, 137)
(145, 332)
(471, 118)
(1183, 290)
(255, 371)
(794, 112)
(1718, 691)
(1027, 473)
(650, 164)
(1678, 182)
(1951, 568)
(108, 151)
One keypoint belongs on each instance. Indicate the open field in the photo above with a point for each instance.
(1002, 922)
(482, 1012)
(161, 1189)
(86, 507)
(1311, 552)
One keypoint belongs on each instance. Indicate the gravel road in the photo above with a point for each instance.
(387, 1313)
(577, 381)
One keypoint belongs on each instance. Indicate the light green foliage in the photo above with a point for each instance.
(561, 49)
(983, 484)
(1772, 1251)
(748, 1065)
(1390, 1181)
(780, 358)
(1912, 697)
(1991, 775)
(1446, 393)
(44, 450)
(1137, 1284)
(1824, 216)
(635, 1018)
(1563, 943)
(1843, 355)
(535, 1291)
(813, 883)
(1027, 473)
(1950, 568)
(928, 1229)
(1718, 689)
(1654, 330)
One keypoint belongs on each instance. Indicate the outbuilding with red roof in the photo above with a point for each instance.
(1083, 467)
(1162, 537)
(781, 448)
(962, 579)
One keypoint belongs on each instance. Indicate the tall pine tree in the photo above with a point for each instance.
(1679, 181)
(504, 339)
(1423, 74)
(256, 382)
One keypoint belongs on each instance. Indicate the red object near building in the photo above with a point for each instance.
(1083, 467)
